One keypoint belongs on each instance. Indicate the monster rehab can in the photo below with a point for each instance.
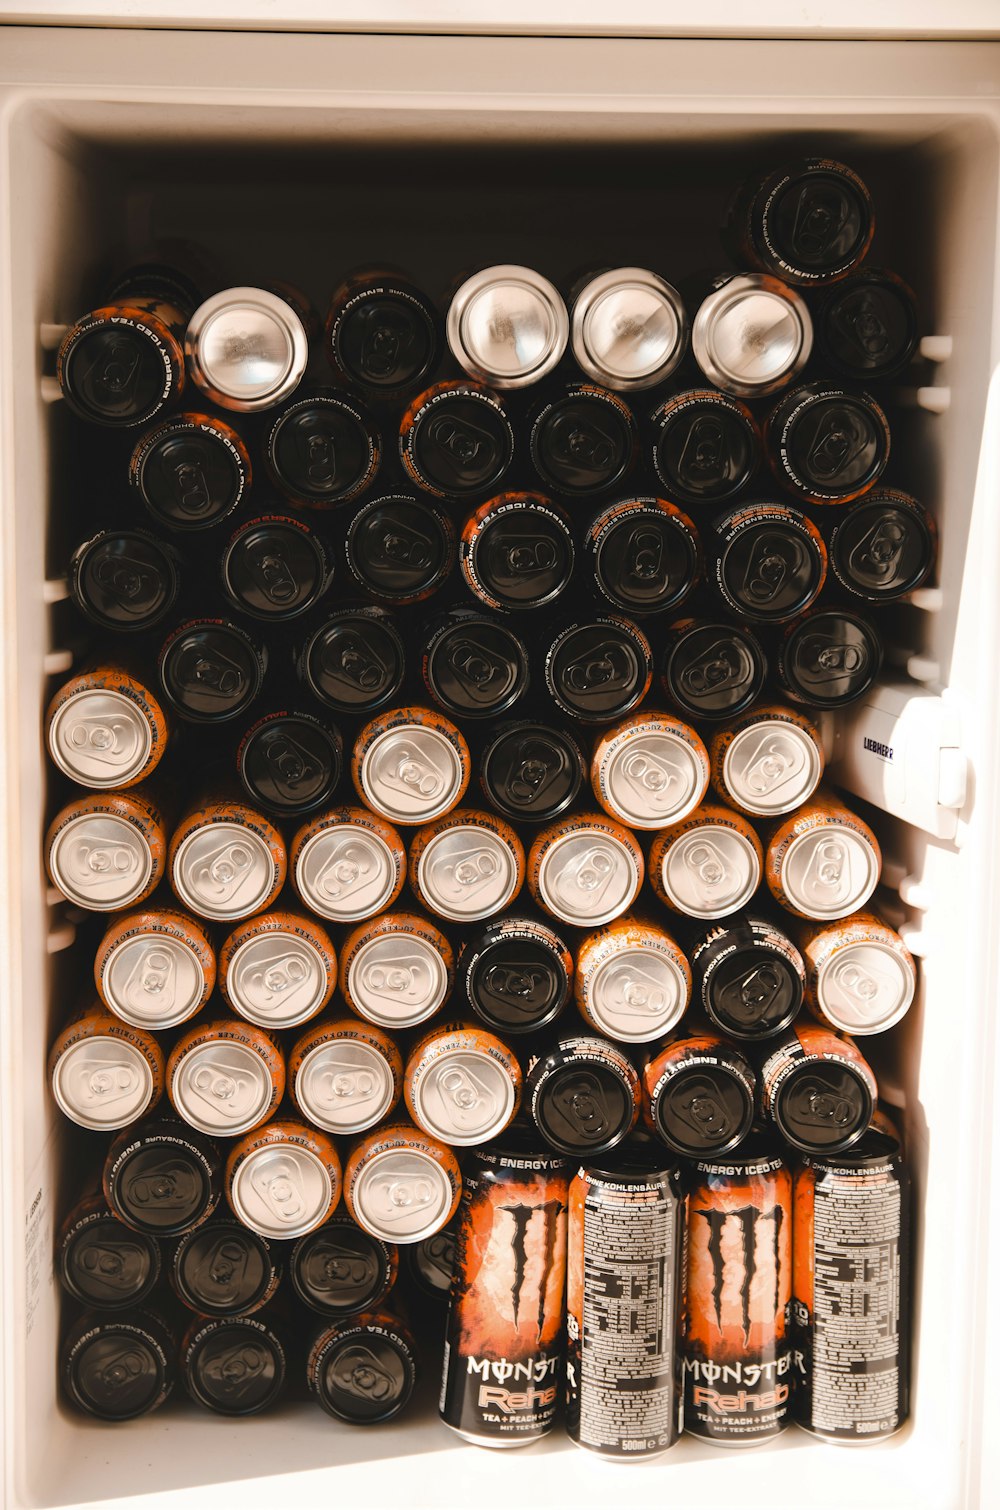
(699, 1094)
(400, 548)
(516, 974)
(226, 1076)
(583, 440)
(322, 450)
(347, 864)
(583, 1095)
(768, 761)
(191, 471)
(401, 1184)
(706, 446)
(100, 1261)
(275, 567)
(345, 1075)
(516, 551)
(363, 1371)
(737, 1346)
(531, 772)
(120, 1366)
(817, 1089)
(396, 970)
(504, 1343)
(211, 670)
(823, 861)
(507, 325)
(124, 580)
(462, 1084)
(828, 657)
(633, 981)
(751, 335)
(650, 770)
(456, 440)
(467, 865)
(233, 1365)
(381, 332)
(585, 870)
(162, 1178)
(105, 729)
(283, 1179)
(623, 1305)
(224, 1269)
(767, 561)
(340, 1270)
(598, 670)
(827, 443)
(411, 765)
(643, 554)
(430, 1264)
(749, 977)
(155, 968)
(226, 860)
(860, 976)
(708, 865)
(851, 1289)
(354, 661)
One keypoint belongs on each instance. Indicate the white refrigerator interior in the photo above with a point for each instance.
(301, 156)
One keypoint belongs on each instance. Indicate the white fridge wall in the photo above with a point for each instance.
(306, 154)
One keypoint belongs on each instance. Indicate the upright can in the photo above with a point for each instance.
(737, 1347)
(626, 1239)
(504, 1343)
(851, 1289)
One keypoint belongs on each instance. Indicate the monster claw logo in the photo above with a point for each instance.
(747, 1217)
(521, 1214)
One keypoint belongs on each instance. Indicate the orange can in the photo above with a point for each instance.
(108, 850)
(155, 968)
(708, 866)
(396, 970)
(105, 729)
(105, 1073)
(225, 1077)
(278, 969)
(860, 976)
(462, 1085)
(633, 981)
(227, 860)
(402, 1184)
(283, 1180)
(347, 864)
(345, 1075)
(411, 765)
(768, 761)
(456, 439)
(824, 861)
(649, 770)
(466, 866)
(585, 870)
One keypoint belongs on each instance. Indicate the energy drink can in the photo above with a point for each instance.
(828, 658)
(699, 1094)
(278, 970)
(340, 1270)
(162, 1178)
(191, 471)
(585, 870)
(583, 440)
(817, 1089)
(649, 771)
(707, 866)
(247, 348)
(809, 222)
(430, 1264)
(827, 443)
(712, 670)
(211, 670)
(232, 1365)
(584, 1096)
(749, 977)
(767, 762)
(644, 555)
(345, 1075)
(767, 561)
(411, 765)
(706, 446)
(226, 861)
(105, 729)
(466, 866)
(532, 772)
(224, 1269)
(884, 547)
(155, 968)
(851, 1289)
(275, 568)
(100, 1261)
(462, 1085)
(283, 1179)
(225, 1077)
(503, 1357)
(347, 864)
(124, 580)
(381, 332)
(354, 662)
(752, 334)
(867, 327)
(118, 1367)
(507, 325)
(322, 450)
(397, 970)
(401, 1184)
(363, 1371)
(737, 1348)
(599, 670)
(456, 440)
(107, 850)
(120, 364)
(516, 974)
(823, 862)
(516, 551)
(624, 1297)
(860, 976)
(633, 981)
(629, 328)
(474, 665)
(105, 1073)
(400, 548)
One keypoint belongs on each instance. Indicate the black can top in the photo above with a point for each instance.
(751, 982)
(704, 1109)
(222, 1269)
(580, 1101)
(164, 1180)
(828, 444)
(516, 976)
(235, 1366)
(117, 373)
(867, 326)
(830, 658)
(341, 1270)
(813, 220)
(706, 446)
(355, 661)
(384, 335)
(322, 450)
(290, 762)
(884, 546)
(599, 671)
(879, 1145)
(531, 772)
(366, 1374)
(124, 579)
(431, 1262)
(211, 670)
(123, 1368)
(822, 1106)
(518, 551)
(400, 548)
(274, 568)
(584, 441)
(190, 471)
(713, 671)
(640, 1161)
(105, 1264)
(474, 665)
(770, 561)
(645, 555)
(457, 440)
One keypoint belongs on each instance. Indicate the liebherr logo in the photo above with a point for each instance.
(521, 1215)
(746, 1218)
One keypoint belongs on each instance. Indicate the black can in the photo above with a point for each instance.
(598, 670)
(103, 1263)
(827, 443)
(583, 1095)
(363, 1371)
(211, 670)
(322, 450)
(517, 975)
(883, 547)
(706, 446)
(118, 1367)
(123, 363)
(643, 554)
(224, 1269)
(768, 561)
(699, 1094)
(354, 661)
(712, 670)
(233, 1365)
(381, 332)
(516, 551)
(473, 664)
(340, 1270)
(817, 1089)
(125, 580)
(430, 1264)
(275, 568)
(749, 978)
(532, 772)
(400, 548)
(290, 762)
(584, 441)
(809, 222)
(190, 471)
(866, 327)
(456, 440)
(829, 657)
(162, 1177)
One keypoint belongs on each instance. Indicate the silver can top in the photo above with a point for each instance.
(628, 328)
(829, 872)
(276, 980)
(345, 873)
(100, 739)
(345, 1086)
(281, 1190)
(508, 326)
(411, 774)
(865, 987)
(153, 981)
(652, 779)
(102, 1083)
(464, 1098)
(223, 871)
(637, 995)
(710, 872)
(246, 347)
(222, 1088)
(397, 980)
(467, 873)
(587, 878)
(752, 335)
(402, 1195)
(100, 861)
(771, 768)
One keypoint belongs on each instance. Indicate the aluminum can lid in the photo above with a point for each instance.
(102, 1083)
(281, 1190)
(637, 995)
(467, 873)
(276, 980)
(345, 1086)
(100, 861)
(153, 981)
(412, 774)
(345, 873)
(464, 1099)
(710, 872)
(397, 980)
(402, 1195)
(829, 872)
(771, 768)
(752, 335)
(652, 778)
(865, 987)
(100, 738)
(223, 871)
(588, 878)
(222, 1088)
(507, 325)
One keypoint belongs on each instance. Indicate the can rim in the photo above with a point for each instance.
(687, 1150)
(222, 832)
(84, 899)
(810, 777)
(908, 979)
(461, 307)
(113, 998)
(438, 969)
(187, 1241)
(304, 885)
(867, 1110)
(239, 1204)
(605, 1021)
(593, 295)
(127, 1052)
(717, 302)
(607, 914)
(371, 1169)
(423, 1118)
(456, 780)
(124, 706)
(280, 314)
(182, 1094)
(833, 910)
(452, 912)
(619, 747)
(706, 910)
(308, 1064)
(238, 958)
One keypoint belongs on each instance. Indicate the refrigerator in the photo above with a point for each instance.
(290, 147)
